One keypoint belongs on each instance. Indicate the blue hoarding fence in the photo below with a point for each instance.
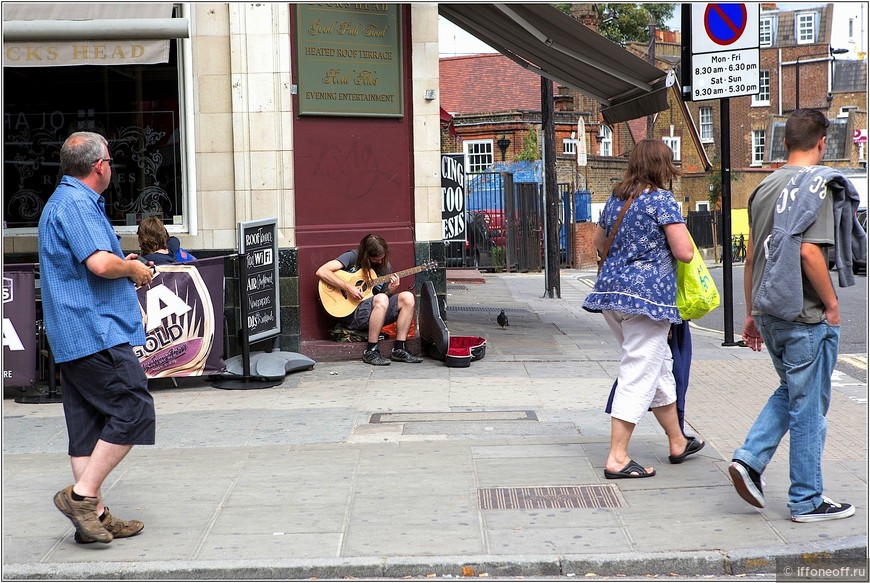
(583, 206)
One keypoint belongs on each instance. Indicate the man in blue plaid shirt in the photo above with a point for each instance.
(93, 320)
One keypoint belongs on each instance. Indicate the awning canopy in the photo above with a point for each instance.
(53, 35)
(542, 39)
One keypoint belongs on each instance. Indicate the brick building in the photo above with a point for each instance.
(799, 66)
(491, 100)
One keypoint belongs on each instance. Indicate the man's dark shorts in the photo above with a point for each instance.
(359, 319)
(105, 396)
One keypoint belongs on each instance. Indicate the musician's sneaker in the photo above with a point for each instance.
(402, 355)
(375, 358)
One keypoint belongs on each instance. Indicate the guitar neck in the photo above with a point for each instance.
(403, 273)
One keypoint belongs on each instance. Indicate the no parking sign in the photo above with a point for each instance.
(723, 26)
(725, 50)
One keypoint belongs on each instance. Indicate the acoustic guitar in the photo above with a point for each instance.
(336, 301)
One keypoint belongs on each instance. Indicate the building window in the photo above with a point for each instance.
(478, 156)
(806, 28)
(606, 143)
(702, 206)
(136, 108)
(763, 95)
(777, 145)
(674, 144)
(757, 147)
(706, 118)
(569, 147)
(765, 31)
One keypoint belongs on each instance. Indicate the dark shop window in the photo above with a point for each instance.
(136, 107)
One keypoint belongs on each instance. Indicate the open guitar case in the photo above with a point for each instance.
(455, 352)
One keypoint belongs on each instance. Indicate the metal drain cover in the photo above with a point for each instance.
(453, 416)
(548, 497)
(487, 309)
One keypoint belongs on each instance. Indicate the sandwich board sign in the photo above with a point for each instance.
(258, 250)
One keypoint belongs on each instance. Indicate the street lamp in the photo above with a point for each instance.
(503, 144)
(833, 52)
(797, 72)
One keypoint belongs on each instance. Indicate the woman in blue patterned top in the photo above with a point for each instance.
(636, 292)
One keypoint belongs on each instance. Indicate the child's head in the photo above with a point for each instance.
(152, 235)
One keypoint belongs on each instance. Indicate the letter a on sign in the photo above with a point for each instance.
(173, 306)
(10, 336)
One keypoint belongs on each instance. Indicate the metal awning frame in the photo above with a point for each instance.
(543, 40)
(546, 40)
(110, 29)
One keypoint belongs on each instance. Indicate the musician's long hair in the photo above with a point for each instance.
(372, 246)
(650, 165)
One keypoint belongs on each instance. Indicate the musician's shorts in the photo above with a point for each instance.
(359, 320)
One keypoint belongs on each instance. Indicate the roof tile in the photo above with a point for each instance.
(487, 83)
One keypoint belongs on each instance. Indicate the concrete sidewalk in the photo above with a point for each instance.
(350, 470)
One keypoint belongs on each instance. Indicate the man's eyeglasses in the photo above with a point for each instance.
(106, 160)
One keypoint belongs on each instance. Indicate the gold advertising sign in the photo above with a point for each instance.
(101, 16)
(350, 59)
(85, 52)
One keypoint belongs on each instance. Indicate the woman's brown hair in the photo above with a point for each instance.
(651, 165)
(372, 246)
(152, 235)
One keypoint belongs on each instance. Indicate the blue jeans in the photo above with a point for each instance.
(803, 356)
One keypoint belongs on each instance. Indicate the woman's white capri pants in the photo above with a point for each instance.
(646, 377)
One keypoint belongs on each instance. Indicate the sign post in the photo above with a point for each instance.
(260, 308)
(723, 62)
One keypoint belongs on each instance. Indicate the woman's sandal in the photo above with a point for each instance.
(631, 470)
(692, 446)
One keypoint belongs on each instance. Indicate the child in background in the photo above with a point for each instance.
(158, 246)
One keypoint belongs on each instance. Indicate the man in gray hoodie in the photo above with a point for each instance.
(803, 345)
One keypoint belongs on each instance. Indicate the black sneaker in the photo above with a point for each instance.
(747, 482)
(375, 358)
(827, 510)
(402, 355)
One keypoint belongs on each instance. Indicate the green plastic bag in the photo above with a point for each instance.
(697, 295)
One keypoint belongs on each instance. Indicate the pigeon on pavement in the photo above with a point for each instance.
(502, 319)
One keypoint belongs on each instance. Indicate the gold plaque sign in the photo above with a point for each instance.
(350, 60)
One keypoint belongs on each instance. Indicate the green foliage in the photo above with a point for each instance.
(625, 23)
(714, 194)
(530, 151)
(497, 254)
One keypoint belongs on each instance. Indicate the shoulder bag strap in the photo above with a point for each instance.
(614, 229)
